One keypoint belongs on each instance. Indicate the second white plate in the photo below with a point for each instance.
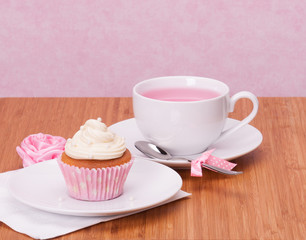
(42, 186)
(241, 142)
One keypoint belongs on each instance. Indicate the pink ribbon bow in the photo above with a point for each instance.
(206, 157)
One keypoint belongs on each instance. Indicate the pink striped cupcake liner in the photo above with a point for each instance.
(95, 184)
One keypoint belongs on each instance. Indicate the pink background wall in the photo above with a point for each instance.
(102, 48)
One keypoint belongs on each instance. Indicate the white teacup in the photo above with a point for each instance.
(181, 125)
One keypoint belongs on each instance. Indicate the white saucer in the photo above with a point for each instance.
(42, 186)
(241, 142)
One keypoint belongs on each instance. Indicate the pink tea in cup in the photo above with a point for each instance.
(180, 94)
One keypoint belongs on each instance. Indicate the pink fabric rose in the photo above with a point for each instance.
(40, 147)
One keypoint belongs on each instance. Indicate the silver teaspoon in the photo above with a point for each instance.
(153, 151)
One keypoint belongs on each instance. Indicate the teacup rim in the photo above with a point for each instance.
(181, 102)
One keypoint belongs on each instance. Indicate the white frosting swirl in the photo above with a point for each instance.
(95, 141)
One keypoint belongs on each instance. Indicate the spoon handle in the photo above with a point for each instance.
(210, 167)
(221, 170)
(213, 168)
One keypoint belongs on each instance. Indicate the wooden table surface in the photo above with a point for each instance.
(266, 202)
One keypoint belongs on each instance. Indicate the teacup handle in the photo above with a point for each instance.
(249, 118)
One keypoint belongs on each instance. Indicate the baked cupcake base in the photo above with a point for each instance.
(95, 184)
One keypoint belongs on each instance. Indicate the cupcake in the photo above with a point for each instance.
(95, 163)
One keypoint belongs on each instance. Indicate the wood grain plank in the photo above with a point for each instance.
(266, 202)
